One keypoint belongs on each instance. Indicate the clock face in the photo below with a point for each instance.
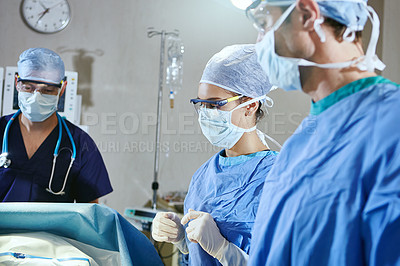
(46, 16)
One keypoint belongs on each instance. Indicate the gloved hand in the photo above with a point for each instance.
(202, 229)
(167, 227)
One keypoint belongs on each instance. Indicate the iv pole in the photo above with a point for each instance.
(151, 33)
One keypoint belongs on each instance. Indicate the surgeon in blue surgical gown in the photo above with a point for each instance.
(333, 194)
(224, 193)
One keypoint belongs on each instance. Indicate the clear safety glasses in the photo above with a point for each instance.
(40, 86)
(264, 14)
(198, 103)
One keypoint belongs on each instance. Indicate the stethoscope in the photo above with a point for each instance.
(6, 162)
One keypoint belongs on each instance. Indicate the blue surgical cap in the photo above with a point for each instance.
(235, 68)
(41, 64)
(351, 13)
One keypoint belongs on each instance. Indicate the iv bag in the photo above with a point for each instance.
(174, 70)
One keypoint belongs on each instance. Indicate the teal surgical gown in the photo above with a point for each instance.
(229, 188)
(333, 195)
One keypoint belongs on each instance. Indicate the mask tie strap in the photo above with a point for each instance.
(283, 17)
(269, 102)
(245, 104)
(349, 35)
(318, 29)
(249, 102)
(371, 61)
(264, 136)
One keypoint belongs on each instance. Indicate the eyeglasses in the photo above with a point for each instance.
(40, 86)
(198, 103)
(264, 14)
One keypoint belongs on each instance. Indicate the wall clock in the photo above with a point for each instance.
(46, 16)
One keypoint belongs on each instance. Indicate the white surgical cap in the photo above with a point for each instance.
(235, 68)
(41, 64)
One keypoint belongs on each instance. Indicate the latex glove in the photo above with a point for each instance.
(167, 227)
(202, 229)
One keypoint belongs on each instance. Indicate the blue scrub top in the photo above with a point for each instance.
(27, 179)
(228, 188)
(333, 195)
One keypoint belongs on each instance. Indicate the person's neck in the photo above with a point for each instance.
(249, 143)
(320, 82)
(33, 127)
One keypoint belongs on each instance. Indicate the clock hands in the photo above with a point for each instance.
(46, 16)
(56, 5)
(46, 10)
(42, 14)
(44, 7)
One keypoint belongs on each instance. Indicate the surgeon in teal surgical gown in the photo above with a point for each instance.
(333, 194)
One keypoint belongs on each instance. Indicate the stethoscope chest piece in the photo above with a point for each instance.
(4, 161)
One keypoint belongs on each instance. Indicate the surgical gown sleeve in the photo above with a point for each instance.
(381, 215)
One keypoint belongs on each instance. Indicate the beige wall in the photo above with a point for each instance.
(118, 65)
(391, 37)
(106, 42)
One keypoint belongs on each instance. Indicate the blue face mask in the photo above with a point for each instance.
(217, 126)
(284, 71)
(37, 107)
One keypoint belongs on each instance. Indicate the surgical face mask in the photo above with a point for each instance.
(284, 71)
(37, 107)
(217, 126)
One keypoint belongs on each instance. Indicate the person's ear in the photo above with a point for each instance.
(63, 88)
(309, 12)
(251, 108)
(16, 81)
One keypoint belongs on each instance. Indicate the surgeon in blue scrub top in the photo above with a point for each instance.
(28, 170)
(333, 194)
(224, 193)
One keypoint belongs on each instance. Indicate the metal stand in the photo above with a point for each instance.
(151, 33)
